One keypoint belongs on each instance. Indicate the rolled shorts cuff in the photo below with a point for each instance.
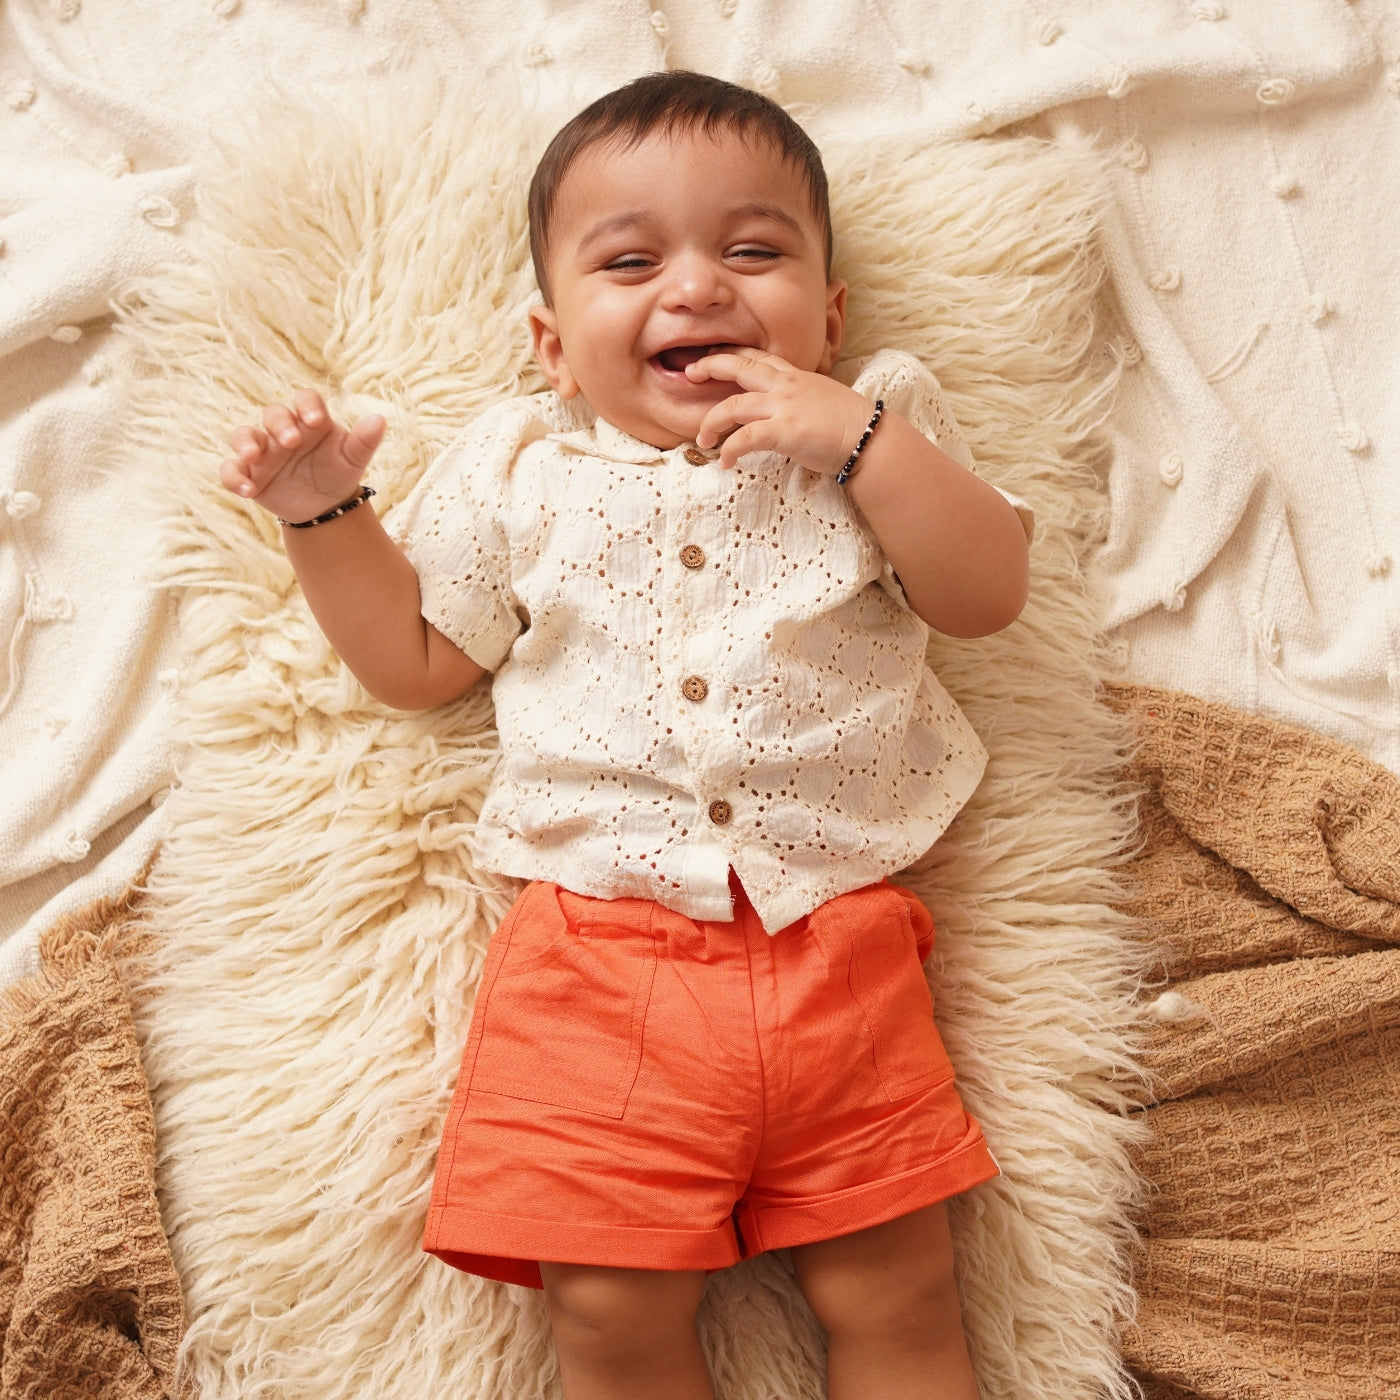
(872, 1203)
(509, 1247)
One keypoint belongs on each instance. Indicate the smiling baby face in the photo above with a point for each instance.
(666, 249)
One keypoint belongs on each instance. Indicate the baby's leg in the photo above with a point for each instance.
(627, 1334)
(887, 1300)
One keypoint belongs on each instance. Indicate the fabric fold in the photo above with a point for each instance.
(1270, 1259)
(89, 1300)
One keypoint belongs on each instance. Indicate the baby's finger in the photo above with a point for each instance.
(750, 369)
(281, 425)
(363, 438)
(310, 407)
(248, 443)
(233, 476)
(729, 414)
(752, 437)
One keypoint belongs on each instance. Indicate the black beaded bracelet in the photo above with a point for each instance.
(344, 508)
(844, 475)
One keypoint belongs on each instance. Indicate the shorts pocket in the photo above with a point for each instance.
(884, 931)
(561, 1017)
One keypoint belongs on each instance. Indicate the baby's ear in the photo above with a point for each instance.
(549, 351)
(835, 324)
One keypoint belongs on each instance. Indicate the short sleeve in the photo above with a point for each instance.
(909, 390)
(452, 529)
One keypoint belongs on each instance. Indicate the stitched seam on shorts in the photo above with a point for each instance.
(896, 1088)
(515, 1242)
(464, 1074)
(636, 921)
(938, 1166)
(641, 1007)
(767, 947)
(716, 1232)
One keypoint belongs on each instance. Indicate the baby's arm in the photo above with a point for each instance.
(956, 543)
(358, 583)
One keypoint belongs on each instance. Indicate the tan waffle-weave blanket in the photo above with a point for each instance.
(89, 1301)
(1270, 875)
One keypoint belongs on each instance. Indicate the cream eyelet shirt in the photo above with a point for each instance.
(695, 668)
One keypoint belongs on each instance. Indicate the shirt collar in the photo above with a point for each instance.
(602, 439)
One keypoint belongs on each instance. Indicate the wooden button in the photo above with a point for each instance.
(694, 688)
(692, 556)
(695, 457)
(720, 811)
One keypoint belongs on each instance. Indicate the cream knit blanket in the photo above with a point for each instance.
(1255, 169)
(321, 931)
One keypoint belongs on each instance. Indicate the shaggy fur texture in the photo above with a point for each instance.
(321, 931)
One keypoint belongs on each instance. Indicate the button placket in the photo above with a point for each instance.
(697, 622)
(697, 601)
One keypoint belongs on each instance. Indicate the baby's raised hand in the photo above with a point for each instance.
(810, 418)
(301, 462)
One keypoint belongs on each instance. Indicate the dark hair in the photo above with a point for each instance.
(671, 102)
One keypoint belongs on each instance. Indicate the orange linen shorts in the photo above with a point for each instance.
(649, 1091)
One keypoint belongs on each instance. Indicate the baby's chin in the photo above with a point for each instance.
(663, 436)
(666, 430)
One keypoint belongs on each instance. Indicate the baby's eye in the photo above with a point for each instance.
(628, 264)
(746, 254)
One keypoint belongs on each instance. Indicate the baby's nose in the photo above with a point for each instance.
(696, 283)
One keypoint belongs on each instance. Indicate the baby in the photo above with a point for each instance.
(702, 571)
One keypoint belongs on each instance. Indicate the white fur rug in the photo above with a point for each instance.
(320, 929)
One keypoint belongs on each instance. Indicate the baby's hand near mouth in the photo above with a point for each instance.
(810, 418)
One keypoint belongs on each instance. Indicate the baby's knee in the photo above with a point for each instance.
(607, 1310)
(919, 1305)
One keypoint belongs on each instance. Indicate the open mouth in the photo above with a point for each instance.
(679, 356)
